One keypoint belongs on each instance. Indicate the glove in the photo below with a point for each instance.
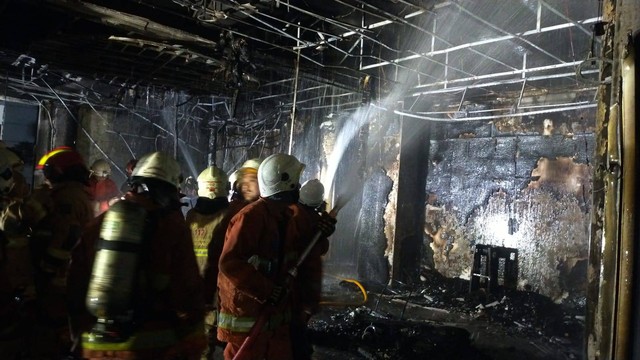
(277, 294)
(326, 224)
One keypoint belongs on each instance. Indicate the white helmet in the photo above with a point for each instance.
(312, 193)
(100, 168)
(278, 173)
(212, 183)
(157, 165)
(6, 170)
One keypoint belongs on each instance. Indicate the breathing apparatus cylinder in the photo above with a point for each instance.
(115, 268)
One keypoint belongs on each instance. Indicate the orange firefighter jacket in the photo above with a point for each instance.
(172, 299)
(259, 248)
(51, 243)
(308, 285)
(102, 191)
(215, 249)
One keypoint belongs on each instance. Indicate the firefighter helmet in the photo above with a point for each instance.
(100, 168)
(212, 183)
(63, 163)
(279, 173)
(251, 164)
(160, 166)
(15, 160)
(248, 167)
(312, 193)
(6, 171)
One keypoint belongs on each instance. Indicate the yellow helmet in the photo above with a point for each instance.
(160, 166)
(212, 183)
(248, 167)
(252, 163)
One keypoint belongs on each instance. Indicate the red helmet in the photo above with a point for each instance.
(59, 161)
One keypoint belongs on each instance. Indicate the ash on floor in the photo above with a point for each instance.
(441, 319)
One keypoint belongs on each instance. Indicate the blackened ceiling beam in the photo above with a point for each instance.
(131, 22)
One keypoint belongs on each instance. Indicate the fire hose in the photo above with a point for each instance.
(263, 318)
(365, 297)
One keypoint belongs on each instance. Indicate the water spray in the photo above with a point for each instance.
(347, 133)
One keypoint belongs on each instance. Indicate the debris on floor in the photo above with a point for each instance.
(440, 319)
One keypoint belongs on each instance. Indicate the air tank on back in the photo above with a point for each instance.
(115, 268)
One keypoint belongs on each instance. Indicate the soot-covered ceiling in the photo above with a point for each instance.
(454, 50)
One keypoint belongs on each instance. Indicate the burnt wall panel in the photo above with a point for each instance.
(524, 191)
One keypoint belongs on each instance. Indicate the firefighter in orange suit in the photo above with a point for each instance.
(311, 218)
(205, 220)
(51, 242)
(259, 248)
(104, 191)
(244, 190)
(149, 306)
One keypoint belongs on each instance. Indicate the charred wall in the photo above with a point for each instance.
(514, 187)
(131, 130)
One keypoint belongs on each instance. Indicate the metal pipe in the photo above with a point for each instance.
(488, 117)
(295, 97)
(464, 93)
(524, 83)
(555, 11)
(360, 31)
(549, 106)
(625, 304)
(505, 73)
(405, 22)
(351, 33)
(288, 94)
(499, 83)
(484, 42)
(478, 18)
(347, 54)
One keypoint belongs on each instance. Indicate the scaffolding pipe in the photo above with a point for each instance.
(625, 305)
(295, 97)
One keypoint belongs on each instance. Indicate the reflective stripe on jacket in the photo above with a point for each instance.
(244, 324)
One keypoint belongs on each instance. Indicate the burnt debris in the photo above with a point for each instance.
(441, 319)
